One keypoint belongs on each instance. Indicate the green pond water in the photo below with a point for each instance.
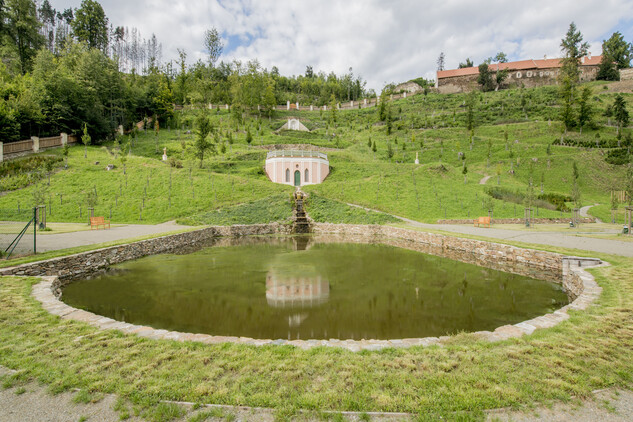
(272, 289)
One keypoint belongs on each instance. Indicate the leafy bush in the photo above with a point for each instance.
(586, 143)
(617, 157)
(21, 172)
(557, 200)
(551, 201)
(27, 164)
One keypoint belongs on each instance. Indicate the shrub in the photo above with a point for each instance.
(618, 156)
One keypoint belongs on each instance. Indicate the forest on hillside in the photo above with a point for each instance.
(61, 69)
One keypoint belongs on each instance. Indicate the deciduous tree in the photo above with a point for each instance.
(90, 25)
(203, 129)
(22, 28)
(213, 44)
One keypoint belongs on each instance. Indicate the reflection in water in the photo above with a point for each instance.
(284, 291)
(293, 288)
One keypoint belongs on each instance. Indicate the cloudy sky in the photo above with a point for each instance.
(383, 41)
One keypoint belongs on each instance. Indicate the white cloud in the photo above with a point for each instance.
(383, 41)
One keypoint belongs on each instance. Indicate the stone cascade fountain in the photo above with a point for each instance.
(301, 224)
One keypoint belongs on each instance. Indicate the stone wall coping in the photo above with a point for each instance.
(574, 267)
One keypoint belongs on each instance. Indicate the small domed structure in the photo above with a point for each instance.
(297, 168)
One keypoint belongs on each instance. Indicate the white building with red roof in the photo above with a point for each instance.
(527, 73)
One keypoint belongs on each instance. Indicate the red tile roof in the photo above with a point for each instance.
(519, 65)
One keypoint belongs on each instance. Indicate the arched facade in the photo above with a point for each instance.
(297, 168)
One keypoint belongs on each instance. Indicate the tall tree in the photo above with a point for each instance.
(607, 71)
(203, 128)
(573, 49)
(485, 78)
(585, 110)
(213, 44)
(91, 25)
(47, 17)
(22, 27)
(471, 101)
(620, 113)
(501, 57)
(440, 62)
(620, 51)
(467, 63)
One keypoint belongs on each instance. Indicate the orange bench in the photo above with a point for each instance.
(482, 221)
(99, 221)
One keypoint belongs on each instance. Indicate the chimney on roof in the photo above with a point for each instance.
(544, 56)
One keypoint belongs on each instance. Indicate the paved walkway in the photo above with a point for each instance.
(52, 242)
(615, 247)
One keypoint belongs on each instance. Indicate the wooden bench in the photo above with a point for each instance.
(99, 221)
(482, 221)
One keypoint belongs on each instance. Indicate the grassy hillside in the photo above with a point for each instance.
(516, 137)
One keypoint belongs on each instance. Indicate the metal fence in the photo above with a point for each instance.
(17, 232)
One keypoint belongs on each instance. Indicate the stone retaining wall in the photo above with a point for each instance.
(88, 262)
(482, 251)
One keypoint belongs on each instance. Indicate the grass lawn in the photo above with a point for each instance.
(591, 350)
(515, 141)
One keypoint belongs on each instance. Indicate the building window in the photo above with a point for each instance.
(307, 176)
(287, 175)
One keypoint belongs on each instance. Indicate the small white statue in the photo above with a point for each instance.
(416, 158)
(165, 154)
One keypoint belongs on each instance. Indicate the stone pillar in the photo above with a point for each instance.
(64, 137)
(210, 106)
(287, 105)
(405, 94)
(351, 103)
(338, 106)
(297, 105)
(324, 108)
(258, 107)
(365, 101)
(121, 130)
(1, 152)
(226, 106)
(311, 107)
(36, 143)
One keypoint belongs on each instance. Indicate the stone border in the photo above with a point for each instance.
(580, 285)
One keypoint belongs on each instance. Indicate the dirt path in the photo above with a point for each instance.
(484, 180)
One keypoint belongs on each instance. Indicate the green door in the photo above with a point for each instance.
(297, 178)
